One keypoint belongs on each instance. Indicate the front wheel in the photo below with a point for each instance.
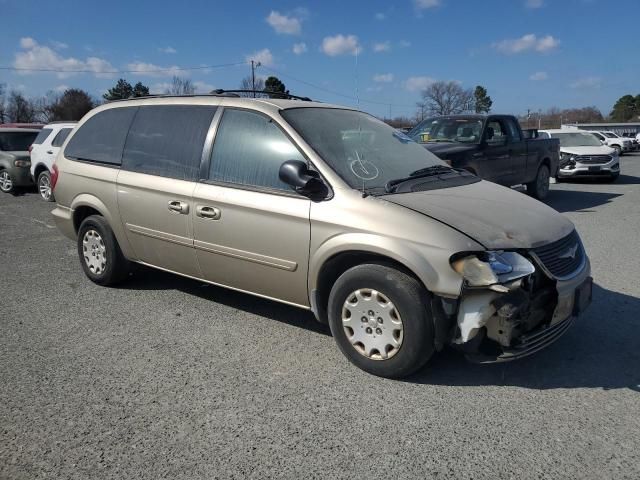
(44, 186)
(6, 182)
(100, 255)
(539, 188)
(381, 320)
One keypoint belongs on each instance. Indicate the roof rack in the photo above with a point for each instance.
(223, 93)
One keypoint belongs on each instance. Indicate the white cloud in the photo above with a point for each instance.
(35, 57)
(159, 88)
(167, 50)
(263, 56)
(341, 45)
(587, 82)
(59, 45)
(61, 88)
(383, 77)
(203, 87)
(425, 4)
(151, 70)
(380, 16)
(299, 48)
(288, 25)
(526, 43)
(534, 3)
(415, 84)
(538, 76)
(382, 47)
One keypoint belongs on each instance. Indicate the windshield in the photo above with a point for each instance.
(442, 129)
(610, 135)
(364, 151)
(16, 141)
(576, 139)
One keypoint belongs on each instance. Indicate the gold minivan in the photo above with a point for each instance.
(325, 208)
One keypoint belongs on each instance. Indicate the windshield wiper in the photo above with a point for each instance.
(431, 171)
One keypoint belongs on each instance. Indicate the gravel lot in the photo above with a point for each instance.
(170, 378)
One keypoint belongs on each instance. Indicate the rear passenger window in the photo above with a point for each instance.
(512, 129)
(249, 150)
(60, 137)
(44, 133)
(167, 140)
(101, 138)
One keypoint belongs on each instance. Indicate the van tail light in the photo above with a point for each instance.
(30, 148)
(54, 176)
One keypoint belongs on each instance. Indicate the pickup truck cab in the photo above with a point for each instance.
(494, 147)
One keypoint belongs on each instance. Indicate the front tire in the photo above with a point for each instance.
(7, 183)
(99, 252)
(44, 186)
(539, 188)
(381, 320)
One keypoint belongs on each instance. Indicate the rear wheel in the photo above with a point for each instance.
(539, 188)
(381, 320)
(6, 181)
(100, 255)
(44, 186)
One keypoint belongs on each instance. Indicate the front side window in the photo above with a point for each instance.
(42, 136)
(101, 138)
(167, 140)
(495, 132)
(61, 137)
(249, 149)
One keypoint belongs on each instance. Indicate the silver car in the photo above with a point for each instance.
(328, 209)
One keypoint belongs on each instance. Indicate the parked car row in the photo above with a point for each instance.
(27, 155)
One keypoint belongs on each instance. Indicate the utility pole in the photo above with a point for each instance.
(254, 65)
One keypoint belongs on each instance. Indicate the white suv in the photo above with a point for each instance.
(43, 153)
(621, 145)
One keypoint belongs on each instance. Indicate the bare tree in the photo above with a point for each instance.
(181, 86)
(3, 103)
(19, 109)
(446, 98)
(246, 84)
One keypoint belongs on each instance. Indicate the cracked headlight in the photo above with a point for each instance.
(492, 268)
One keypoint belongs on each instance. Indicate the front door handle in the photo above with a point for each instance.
(179, 207)
(212, 213)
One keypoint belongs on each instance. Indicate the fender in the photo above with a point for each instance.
(403, 252)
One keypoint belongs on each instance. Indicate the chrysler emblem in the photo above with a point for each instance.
(569, 252)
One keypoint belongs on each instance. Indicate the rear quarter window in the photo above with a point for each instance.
(61, 137)
(101, 138)
(42, 136)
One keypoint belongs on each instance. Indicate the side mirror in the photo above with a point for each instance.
(297, 175)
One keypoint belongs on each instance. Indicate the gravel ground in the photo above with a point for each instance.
(169, 378)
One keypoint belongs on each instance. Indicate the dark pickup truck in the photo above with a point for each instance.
(494, 147)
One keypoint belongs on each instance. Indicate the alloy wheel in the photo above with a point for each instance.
(6, 184)
(44, 186)
(94, 252)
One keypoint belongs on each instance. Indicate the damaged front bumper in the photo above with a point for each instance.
(494, 326)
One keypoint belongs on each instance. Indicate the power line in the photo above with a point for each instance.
(155, 70)
(333, 92)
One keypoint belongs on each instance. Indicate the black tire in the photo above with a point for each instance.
(411, 300)
(539, 188)
(115, 267)
(8, 185)
(43, 180)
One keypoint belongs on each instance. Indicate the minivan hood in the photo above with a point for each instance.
(496, 217)
(596, 150)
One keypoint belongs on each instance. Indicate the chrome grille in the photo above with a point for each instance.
(594, 159)
(562, 257)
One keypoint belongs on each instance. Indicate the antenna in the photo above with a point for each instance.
(358, 157)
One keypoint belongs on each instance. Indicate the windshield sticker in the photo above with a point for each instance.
(364, 169)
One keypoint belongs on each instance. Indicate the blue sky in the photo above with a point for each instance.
(527, 53)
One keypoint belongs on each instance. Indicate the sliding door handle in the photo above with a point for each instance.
(179, 207)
